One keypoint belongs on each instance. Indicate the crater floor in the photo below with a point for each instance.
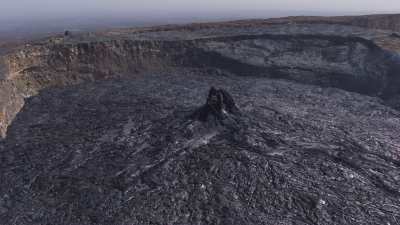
(130, 152)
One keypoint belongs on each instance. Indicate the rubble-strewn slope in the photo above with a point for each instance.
(143, 151)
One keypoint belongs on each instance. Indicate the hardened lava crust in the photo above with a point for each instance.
(197, 147)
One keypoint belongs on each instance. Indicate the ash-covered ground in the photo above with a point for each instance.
(161, 149)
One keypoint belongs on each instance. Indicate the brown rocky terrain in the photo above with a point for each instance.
(109, 128)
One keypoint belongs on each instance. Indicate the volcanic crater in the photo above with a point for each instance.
(279, 121)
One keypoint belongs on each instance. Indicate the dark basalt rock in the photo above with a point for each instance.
(395, 35)
(219, 109)
(164, 148)
(126, 152)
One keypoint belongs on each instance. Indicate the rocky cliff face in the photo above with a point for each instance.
(383, 22)
(386, 22)
(351, 63)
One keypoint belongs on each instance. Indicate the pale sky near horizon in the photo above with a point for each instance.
(11, 9)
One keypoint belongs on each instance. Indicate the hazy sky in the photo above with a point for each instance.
(10, 9)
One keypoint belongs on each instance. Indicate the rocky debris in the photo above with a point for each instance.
(395, 35)
(129, 152)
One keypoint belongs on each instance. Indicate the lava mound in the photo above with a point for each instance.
(167, 149)
(220, 109)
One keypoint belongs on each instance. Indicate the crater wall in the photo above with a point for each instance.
(350, 63)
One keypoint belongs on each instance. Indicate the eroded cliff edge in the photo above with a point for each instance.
(353, 59)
